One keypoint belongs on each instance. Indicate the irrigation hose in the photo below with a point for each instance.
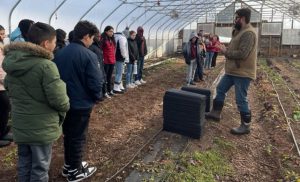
(285, 115)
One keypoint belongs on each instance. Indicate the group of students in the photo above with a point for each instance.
(49, 86)
(200, 53)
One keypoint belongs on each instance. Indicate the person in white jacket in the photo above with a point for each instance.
(122, 57)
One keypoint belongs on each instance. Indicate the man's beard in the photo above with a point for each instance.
(238, 26)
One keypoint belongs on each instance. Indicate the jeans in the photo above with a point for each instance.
(241, 86)
(199, 69)
(75, 129)
(4, 113)
(214, 60)
(34, 162)
(129, 72)
(209, 56)
(140, 68)
(119, 71)
(109, 69)
(191, 71)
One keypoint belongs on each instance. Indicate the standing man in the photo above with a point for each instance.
(240, 69)
(142, 46)
(79, 69)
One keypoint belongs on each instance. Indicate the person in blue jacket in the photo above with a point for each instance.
(79, 68)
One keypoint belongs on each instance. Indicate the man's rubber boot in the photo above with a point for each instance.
(245, 125)
(215, 113)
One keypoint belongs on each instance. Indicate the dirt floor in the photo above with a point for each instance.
(119, 127)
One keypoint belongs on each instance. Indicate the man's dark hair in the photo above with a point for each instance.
(83, 28)
(1, 27)
(244, 12)
(40, 32)
(24, 26)
(71, 36)
(60, 35)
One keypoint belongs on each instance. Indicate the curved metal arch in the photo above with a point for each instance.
(56, 9)
(155, 15)
(111, 14)
(10, 14)
(127, 16)
(90, 9)
(141, 15)
(169, 30)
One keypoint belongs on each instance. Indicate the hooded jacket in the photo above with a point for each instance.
(16, 36)
(38, 95)
(121, 48)
(187, 49)
(141, 42)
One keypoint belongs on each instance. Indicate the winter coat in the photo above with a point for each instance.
(121, 48)
(133, 51)
(38, 95)
(95, 48)
(16, 36)
(241, 55)
(79, 68)
(141, 42)
(187, 50)
(214, 46)
(2, 72)
(108, 47)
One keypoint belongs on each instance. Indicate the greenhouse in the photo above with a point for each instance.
(150, 90)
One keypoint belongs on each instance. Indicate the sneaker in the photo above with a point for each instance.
(142, 81)
(79, 175)
(129, 86)
(107, 96)
(192, 83)
(137, 82)
(111, 93)
(66, 168)
(122, 87)
(133, 85)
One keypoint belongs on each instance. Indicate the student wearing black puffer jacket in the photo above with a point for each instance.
(133, 57)
(96, 48)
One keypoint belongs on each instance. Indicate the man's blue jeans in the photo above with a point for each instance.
(241, 85)
(140, 68)
(209, 56)
(129, 72)
(119, 71)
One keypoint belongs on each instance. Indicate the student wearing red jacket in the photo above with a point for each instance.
(108, 46)
(216, 50)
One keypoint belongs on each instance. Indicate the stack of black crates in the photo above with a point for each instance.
(184, 110)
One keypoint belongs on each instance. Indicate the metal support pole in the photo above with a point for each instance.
(56, 9)
(156, 46)
(126, 16)
(89, 10)
(110, 15)
(10, 14)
